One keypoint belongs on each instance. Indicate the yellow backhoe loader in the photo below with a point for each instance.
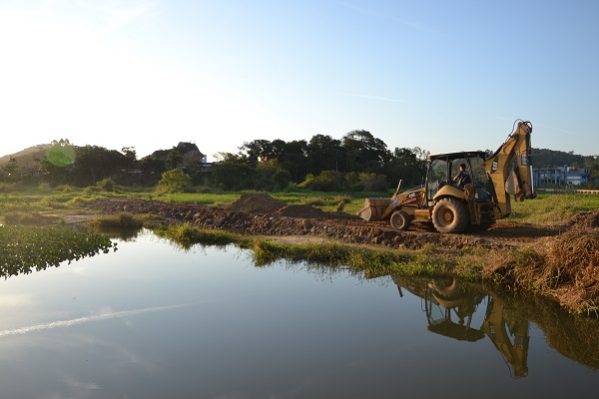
(463, 189)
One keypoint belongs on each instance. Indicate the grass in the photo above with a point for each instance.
(325, 201)
(77, 197)
(370, 260)
(31, 218)
(545, 209)
(552, 208)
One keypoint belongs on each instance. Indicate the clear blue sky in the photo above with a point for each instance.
(444, 76)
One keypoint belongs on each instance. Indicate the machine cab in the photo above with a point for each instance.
(444, 167)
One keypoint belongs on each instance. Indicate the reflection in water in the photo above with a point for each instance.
(450, 306)
(122, 233)
(85, 319)
(24, 248)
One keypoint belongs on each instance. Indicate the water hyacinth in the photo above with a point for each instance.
(26, 248)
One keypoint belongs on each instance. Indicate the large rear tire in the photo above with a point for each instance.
(450, 215)
(400, 220)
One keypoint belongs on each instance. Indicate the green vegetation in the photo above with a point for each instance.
(122, 221)
(553, 208)
(370, 260)
(358, 161)
(67, 197)
(186, 235)
(173, 181)
(27, 248)
(32, 218)
(545, 209)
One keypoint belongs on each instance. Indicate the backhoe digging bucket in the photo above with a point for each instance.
(374, 209)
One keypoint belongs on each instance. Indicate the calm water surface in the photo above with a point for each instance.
(154, 321)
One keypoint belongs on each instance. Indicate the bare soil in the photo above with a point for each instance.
(263, 215)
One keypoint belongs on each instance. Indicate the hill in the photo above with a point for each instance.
(543, 157)
(27, 157)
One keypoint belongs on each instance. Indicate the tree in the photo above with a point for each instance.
(407, 164)
(269, 175)
(293, 158)
(324, 153)
(130, 157)
(364, 152)
(592, 163)
(93, 163)
(257, 150)
(233, 172)
(11, 171)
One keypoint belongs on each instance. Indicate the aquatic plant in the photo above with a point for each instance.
(27, 248)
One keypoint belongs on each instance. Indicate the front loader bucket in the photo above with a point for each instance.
(374, 209)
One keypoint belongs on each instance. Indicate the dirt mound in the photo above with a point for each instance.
(585, 220)
(301, 211)
(261, 203)
(565, 267)
(573, 267)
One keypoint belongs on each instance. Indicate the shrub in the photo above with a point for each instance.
(172, 181)
(106, 184)
(122, 220)
(328, 180)
(64, 188)
(366, 181)
(269, 175)
(90, 190)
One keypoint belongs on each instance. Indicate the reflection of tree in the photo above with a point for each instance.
(27, 248)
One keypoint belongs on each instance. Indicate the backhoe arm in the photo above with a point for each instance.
(517, 181)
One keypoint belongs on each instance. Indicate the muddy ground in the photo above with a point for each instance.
(260, 214)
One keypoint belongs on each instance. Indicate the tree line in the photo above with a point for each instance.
(357, 161)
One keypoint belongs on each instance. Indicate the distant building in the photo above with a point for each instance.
(561, 176)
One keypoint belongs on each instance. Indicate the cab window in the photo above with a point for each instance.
(437, 176)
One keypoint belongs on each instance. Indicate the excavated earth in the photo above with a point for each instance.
(260, 214)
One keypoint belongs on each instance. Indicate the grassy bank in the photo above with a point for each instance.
(371, 260)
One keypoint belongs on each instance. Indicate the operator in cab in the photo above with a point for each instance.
(462, 178)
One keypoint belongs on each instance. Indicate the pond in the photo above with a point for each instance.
(154, 321)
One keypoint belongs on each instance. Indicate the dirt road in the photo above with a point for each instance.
(260, 214)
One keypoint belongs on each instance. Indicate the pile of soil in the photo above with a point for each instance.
(261, 203)
(301, 211)
(585, 220)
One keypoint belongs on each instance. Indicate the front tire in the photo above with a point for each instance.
(450, 215)
(400, 220)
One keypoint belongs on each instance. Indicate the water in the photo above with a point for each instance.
(154, 321)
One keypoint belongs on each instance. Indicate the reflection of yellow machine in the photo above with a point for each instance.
(454, 204)
(446, 298)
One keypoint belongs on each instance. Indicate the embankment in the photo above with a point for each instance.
(560, 262)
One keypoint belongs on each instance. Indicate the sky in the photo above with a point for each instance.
(444, 76)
